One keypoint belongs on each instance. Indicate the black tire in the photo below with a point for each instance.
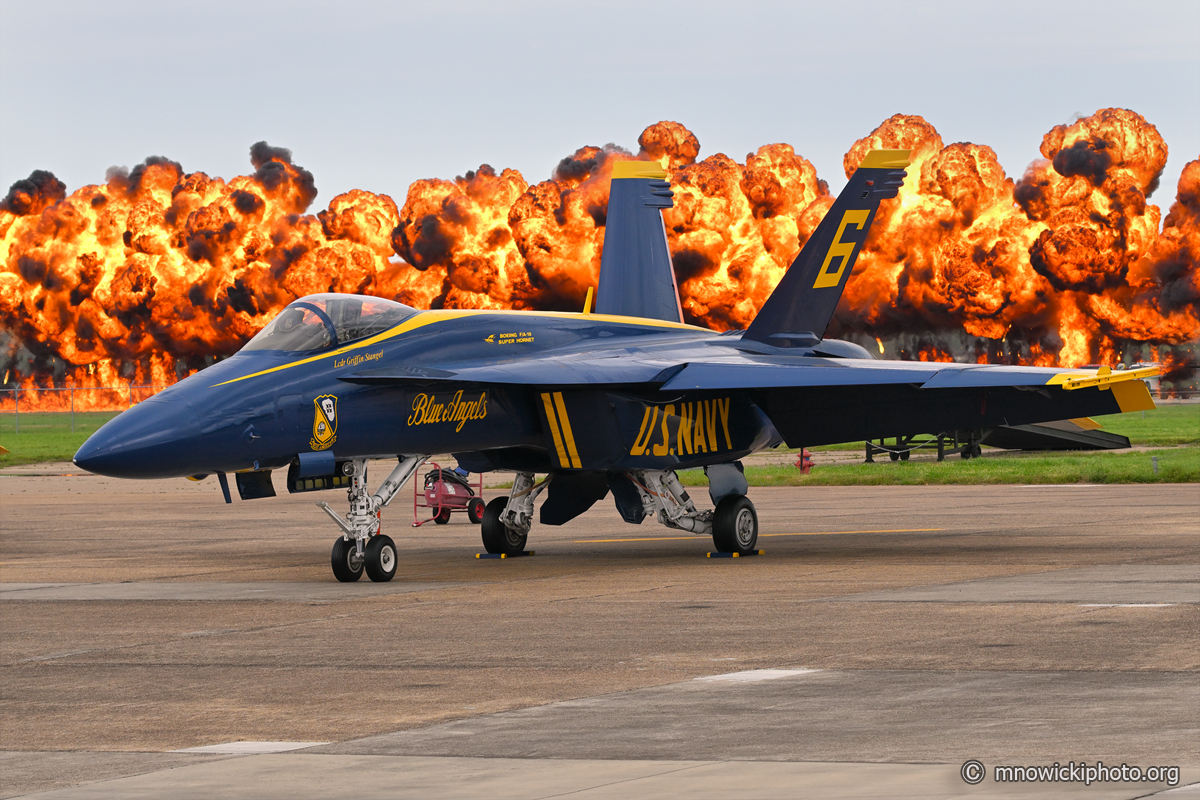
(497, 537)
(735, 525)
(475, 510)
(894, 456)
(381, 559)
(904, 455)
(443, 516)
(347, 566)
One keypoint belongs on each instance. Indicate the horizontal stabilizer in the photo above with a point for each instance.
(1063, 435)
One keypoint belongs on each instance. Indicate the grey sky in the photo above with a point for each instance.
(374, 95)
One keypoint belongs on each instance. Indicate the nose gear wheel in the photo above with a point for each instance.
(347, 563)
(380, 558)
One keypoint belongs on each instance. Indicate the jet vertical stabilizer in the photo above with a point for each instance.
(636, 276)
(798, 311)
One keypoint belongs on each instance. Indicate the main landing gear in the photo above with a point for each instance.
(362, 547)
(733, 524)
(507, 520)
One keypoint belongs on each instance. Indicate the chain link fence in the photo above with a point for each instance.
(69, 400)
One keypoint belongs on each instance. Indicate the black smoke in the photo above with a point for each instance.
(40, 190)
(270, 171)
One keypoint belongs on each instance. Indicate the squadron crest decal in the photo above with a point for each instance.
(324, 422)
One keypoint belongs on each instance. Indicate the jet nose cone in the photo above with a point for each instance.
(154, 439)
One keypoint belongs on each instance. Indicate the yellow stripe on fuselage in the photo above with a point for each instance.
(424, 318)
(566, 429)
(553, 420)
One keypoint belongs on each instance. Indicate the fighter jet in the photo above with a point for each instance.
(614, 399)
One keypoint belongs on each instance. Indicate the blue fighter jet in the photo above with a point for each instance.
(615, 399)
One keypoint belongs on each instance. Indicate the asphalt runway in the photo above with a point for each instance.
(889, 635)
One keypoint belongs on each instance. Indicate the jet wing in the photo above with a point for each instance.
(770, 373)
(797, 372)
(620, 368)
(813, 401)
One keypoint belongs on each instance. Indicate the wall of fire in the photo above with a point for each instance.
(156, 272)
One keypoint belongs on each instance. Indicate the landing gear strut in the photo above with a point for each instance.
(362, 546)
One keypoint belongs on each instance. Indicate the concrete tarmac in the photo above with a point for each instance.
(889, 635)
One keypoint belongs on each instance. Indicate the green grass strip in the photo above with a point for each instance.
(46, 435)
(1175, 465)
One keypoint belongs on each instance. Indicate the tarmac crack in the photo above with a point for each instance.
(626, 780)
(619, 594)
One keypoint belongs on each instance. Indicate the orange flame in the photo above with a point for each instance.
(150, 276)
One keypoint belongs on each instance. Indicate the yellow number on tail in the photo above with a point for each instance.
(840, 249)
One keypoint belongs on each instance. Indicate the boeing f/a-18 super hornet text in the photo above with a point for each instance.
(613, 399)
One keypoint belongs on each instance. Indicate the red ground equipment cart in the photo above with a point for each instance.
(446, 491)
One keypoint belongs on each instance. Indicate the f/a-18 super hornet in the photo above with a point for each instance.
(614, 399)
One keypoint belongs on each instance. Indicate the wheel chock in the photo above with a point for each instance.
(737, 555)
(506, 555)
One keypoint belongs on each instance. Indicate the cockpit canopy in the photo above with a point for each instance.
(329, 320)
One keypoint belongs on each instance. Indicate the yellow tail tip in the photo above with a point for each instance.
(886, 159)
(638, 169)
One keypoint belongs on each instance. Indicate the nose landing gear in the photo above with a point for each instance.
(362, 547)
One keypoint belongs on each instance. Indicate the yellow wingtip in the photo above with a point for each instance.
(1102, 377)
(1127, 386)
